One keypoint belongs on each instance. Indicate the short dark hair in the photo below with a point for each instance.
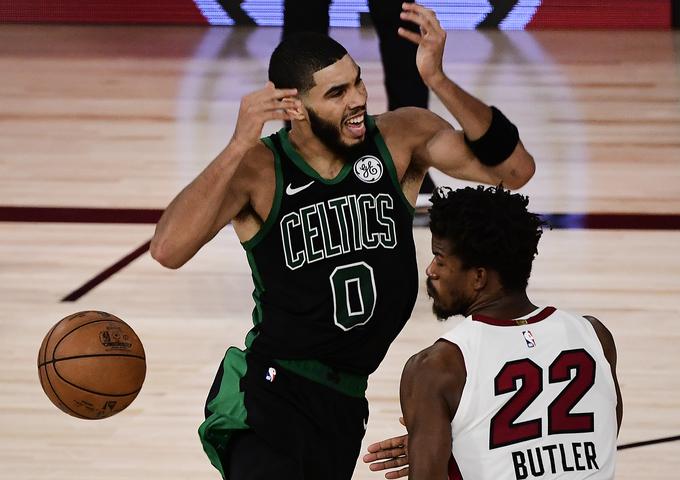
(300, 55)
(489, 227)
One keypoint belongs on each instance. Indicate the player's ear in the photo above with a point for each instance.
(302, 110)
(481, 278)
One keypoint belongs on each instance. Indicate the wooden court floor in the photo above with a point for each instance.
(123, 117)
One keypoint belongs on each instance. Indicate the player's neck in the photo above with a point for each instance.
(503, 306)
(324, 160)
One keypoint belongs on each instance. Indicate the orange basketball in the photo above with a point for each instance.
(91, 365)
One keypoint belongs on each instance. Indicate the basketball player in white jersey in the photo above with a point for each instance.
(515, 391)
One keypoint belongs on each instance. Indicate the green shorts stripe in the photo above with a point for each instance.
(227, 409)
(346, 383)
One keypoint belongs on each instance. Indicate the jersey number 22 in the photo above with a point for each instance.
(504, 430)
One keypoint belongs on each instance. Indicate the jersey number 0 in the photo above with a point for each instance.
(354, 295)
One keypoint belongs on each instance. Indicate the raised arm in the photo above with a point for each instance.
(220, 192)
(488, 149)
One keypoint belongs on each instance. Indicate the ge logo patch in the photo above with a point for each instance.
(368, 169)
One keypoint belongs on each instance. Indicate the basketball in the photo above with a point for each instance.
(91, 365)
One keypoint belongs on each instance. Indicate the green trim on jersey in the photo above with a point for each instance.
(227, 410)
(278, 193)
(250, 244)
(387, 158)
(347, 383)
(257, 297)
(304, 166)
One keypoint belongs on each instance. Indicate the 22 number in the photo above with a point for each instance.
(505, 431)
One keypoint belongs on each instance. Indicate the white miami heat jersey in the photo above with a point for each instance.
(539, 401)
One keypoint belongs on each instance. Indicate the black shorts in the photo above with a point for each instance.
(264, 421)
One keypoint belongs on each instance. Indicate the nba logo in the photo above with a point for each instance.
(529, 338)
(271, 375)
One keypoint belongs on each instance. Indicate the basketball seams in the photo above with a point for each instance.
(69, 390)
(47, 343)
(135, 392)
(44, 366)
(116, 319)
(129, 355)
(73, 412)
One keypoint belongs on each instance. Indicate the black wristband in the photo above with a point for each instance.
(497, 143)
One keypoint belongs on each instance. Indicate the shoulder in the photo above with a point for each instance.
(255, 180)
(436, 372)
(605, 336)
(257, 163)
(440, 363)
(603, 332)
(260, 156)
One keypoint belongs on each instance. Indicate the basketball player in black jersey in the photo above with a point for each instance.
(324, 213)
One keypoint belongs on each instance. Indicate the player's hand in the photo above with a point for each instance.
(261, 106)
(430, 40)
(389, 454)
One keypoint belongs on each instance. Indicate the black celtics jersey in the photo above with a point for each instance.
(334, 264)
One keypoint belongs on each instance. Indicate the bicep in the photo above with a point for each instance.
(447, 151)
(253, 182)
(236, 200)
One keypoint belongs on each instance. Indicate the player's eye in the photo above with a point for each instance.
(437, 260)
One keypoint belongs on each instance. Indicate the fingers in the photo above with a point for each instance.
(383, 454)
(393, 451)
(278, 115)
(425, 18)
(280, 93)
(263, 111)
(270, 91)
(276, 111)
(392, 463)
(409, 35)
(398, 474)
(272, 99)
(285, 103)
(393, 442)
(417, 8)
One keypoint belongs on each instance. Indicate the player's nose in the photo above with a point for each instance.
(357, 98)
(429, 271)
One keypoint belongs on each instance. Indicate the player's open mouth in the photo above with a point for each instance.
(355, 126)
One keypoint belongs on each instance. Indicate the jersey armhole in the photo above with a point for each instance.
(466, 394)
(389, 163)
(600, 347)
(276, 205)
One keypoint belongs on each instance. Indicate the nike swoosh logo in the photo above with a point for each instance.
(292, 191)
